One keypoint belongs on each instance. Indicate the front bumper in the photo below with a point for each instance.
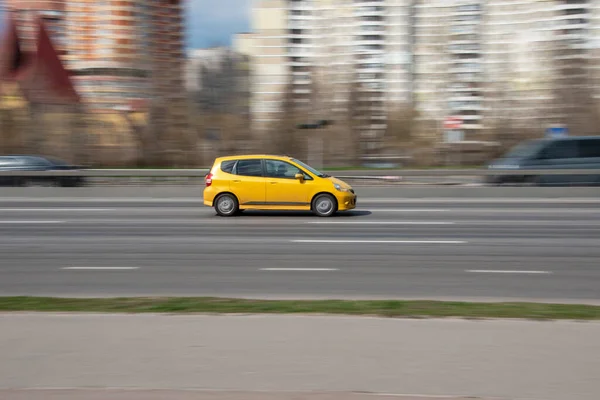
(347, 201)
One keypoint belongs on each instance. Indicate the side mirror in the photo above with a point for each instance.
(300, 177)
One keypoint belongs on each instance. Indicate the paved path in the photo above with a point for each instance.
(468, 248)
(504, 359)
(116, 394)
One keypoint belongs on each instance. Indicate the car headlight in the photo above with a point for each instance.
(340, 188)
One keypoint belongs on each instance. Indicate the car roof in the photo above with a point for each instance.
(569, 138)
(251, 156)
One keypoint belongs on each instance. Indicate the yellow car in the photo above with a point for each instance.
(263, 182)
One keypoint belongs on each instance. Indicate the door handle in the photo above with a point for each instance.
(237, 180)
(273, 183)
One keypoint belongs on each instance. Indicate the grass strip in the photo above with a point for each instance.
(387, 308)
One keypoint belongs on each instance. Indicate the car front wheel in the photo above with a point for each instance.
(324, 205)
(226, 205)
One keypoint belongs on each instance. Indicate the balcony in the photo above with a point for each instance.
(295, 24)
(463, 30)
(466, 69)
(366, 11)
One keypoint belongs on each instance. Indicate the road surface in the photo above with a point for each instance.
(150, 242)
(489, 359)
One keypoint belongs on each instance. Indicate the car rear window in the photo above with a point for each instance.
(227, 166)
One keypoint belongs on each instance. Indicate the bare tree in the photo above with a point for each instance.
(400, 123)
(574, 88)
(356, 115)
(12, 126)
(282, 134)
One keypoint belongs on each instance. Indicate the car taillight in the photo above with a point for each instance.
(208, 179)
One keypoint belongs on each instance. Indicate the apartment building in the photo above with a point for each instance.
(496, 64)
(335, 46)
(504, 64)
(449, 64)
(539, 62)
(117, 51)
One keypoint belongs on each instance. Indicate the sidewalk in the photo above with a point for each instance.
(488, 359)
(197, 395)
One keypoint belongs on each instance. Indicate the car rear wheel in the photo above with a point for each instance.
(226, 205)
(324, 205)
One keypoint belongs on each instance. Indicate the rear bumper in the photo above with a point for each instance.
(208, 196)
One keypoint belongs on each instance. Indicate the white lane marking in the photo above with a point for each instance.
(491, 271)
(100, 268)
(32, 222)
(149, 199)
(198, 200)
(300, 269)
(406, 210)
(490, 210)
(56, 209)
(441, 200)
(380, 223)
(327, 241)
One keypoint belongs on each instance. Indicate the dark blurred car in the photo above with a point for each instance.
(550, 154)
(42, 164)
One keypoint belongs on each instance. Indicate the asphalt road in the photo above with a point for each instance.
(55, 243)
(487, 359)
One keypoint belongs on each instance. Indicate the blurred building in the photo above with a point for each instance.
(336, 46)
(25, 13)
(499, 65)
(503, 65)
(218, 79)
(118, 51)
(448, 62)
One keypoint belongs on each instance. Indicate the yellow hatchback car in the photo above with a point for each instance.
(263, 182)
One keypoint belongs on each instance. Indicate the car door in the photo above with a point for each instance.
(589, 158)
(558, 154)
(248, 182)
(283, 189)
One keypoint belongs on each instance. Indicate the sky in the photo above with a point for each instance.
(211, 22)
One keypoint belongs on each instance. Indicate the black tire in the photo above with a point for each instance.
(324, 205)
(226, 205)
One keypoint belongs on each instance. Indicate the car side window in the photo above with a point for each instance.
(560, 150)
(281, 169)
(227, 166)
(249, 168)
(589, 148)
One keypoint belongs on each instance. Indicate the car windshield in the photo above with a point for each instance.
(311, 169)
(526, 149)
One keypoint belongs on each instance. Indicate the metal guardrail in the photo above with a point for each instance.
(348, 174)
(357, 174)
